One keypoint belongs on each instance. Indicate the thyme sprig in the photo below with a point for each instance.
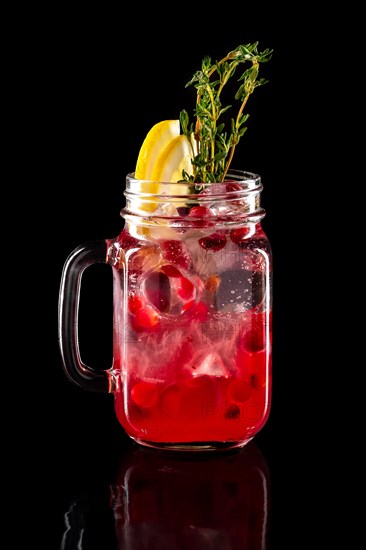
(213, 146)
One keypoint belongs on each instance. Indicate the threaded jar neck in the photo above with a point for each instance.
(234, 201)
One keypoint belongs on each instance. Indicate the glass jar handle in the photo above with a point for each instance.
(68, 314)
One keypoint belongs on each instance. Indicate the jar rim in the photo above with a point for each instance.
(232, 201)
(248, 181)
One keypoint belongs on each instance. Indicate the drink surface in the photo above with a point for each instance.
(192, 333)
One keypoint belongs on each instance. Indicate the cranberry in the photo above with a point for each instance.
(214, 242)
(185, 289)
(134, 302)
(171, 271)
(183, 211)
(238, 235)
(254, 339)
(171, 401)
(202, 215)
(258, 380)
(251, 363)
(200, 212)
(126, 240)
(232, 412)
(232, 186)
(144, 319)
(145, 394)
(239, 391)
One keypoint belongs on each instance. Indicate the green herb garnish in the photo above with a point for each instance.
(213, 145)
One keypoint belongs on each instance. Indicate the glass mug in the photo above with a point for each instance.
(192, 314)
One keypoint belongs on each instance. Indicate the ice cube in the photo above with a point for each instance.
(209, 364)
(157, 290)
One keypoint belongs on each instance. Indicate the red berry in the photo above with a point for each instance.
(258, 380)
(134, 302)
(185, 289)
(203, 216)
(254, 339)
(232, 186)
(214, 242)
(200, 212)
(232, 412)
(171, 401)
(251, 363)
(145, 318)
(239, 391)
(126, 240)
(145, 394)
(183, 211)
(238, 235)
(171, 271)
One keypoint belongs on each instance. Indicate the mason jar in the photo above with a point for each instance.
(192, 314)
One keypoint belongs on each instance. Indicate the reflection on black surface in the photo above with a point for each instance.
(89, 523)
(168, 501)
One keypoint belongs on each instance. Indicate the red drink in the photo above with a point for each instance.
(193, 333)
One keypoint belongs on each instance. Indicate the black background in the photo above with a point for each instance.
(92, 85)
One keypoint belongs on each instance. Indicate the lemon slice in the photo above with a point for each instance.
(155, 141)
(173, 159)
(162, 157)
